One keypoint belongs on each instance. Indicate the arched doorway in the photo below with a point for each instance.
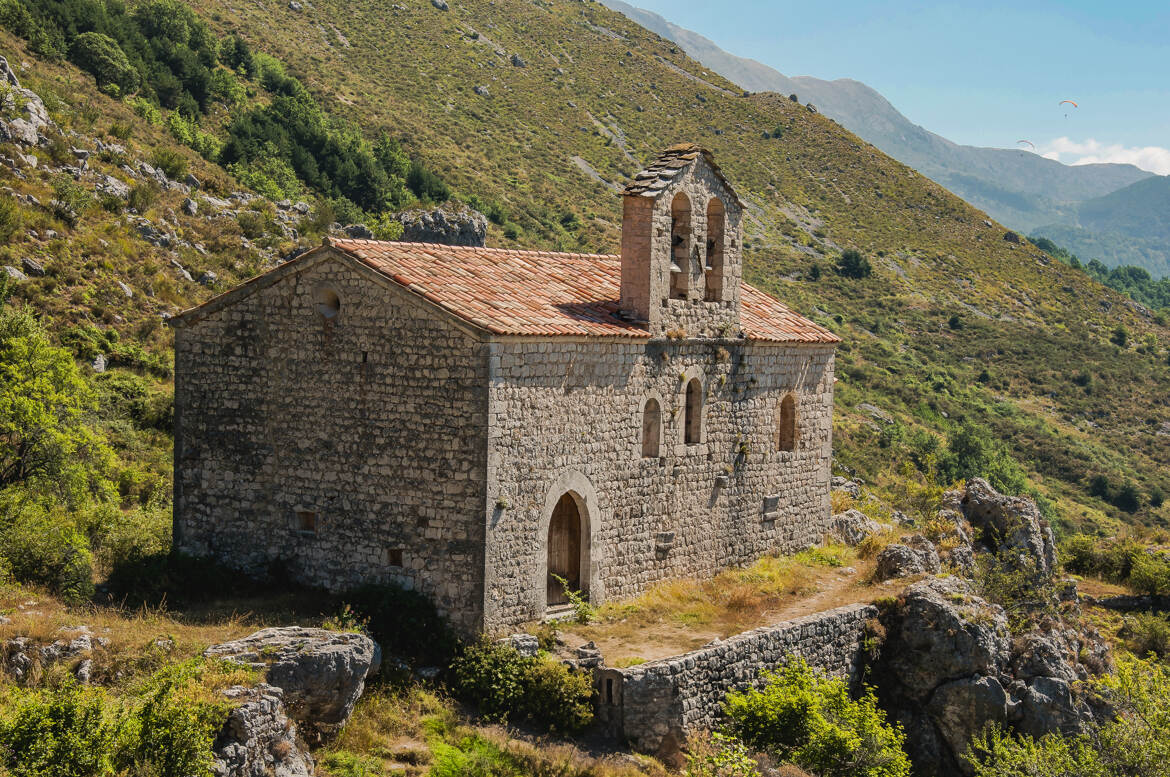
(564, 550)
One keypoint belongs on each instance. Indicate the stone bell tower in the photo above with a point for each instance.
(681, 246)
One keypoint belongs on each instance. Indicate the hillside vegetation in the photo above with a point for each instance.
(955, 360)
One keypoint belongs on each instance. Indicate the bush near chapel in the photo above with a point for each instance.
(509, 687)
(805, 718)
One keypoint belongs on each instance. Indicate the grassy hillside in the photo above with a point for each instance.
(535, 112)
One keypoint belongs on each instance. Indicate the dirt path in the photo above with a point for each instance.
(636, 640)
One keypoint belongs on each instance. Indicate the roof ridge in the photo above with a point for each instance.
(336, 241)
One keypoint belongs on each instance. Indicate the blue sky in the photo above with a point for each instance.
(987, 73)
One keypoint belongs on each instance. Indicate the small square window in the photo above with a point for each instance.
(771, 507)
(306, 522)
(394, 557)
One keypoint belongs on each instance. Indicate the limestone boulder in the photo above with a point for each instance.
(916, 557)
(1048, 706)
(853, 526)
(846, 486)
(945, 632)
(1009, 523)
(321, 673)
(463, 227)
(258, 739)
(961, 708)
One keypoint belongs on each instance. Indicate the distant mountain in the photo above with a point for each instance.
(1128, 226)
(1019, 188)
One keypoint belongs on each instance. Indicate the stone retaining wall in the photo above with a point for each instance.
(652, 706)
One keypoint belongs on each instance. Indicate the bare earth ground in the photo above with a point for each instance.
(642, 637)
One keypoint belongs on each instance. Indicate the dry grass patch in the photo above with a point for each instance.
(675, 616)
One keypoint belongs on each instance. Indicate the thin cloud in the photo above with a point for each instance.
(1152, 158)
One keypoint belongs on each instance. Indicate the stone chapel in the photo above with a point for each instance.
(479, 424)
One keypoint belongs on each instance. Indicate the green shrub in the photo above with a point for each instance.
(804, 718)
(169, 161)
(142, 196)
(853, 265)
(1146, 633)
(70, 199)
(67, 732)
(102, 57)
(1150, 574)
(507, 686)
(971, 452)
(253, 224)
(718, 755)
(1120, 337)
(43, 545)
(11, 219)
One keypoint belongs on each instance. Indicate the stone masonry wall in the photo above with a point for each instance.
(656, 704)
(566, 417)
(374, 421)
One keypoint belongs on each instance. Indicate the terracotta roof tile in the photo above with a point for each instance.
(543, 293)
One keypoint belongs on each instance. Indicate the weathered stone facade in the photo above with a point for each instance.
(374, 424)
(468, 421)
(655, 705)
(567, 417)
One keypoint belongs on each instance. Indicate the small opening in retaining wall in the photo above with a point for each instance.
(609, 690)
(394, 557)
(306, 522)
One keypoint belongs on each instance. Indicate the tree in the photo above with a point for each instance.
(1120, 337)
(44, 403)
(853, 265)
(102, 57)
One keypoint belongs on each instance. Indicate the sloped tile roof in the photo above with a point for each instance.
(659, 174)
(512, 292)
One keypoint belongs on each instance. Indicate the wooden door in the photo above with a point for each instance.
(564, 550)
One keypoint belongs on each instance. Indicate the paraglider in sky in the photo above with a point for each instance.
(1028, 142)
(1070, 102)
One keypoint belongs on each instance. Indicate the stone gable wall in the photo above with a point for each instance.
(567, 416)
(654, 705)
(375, 420)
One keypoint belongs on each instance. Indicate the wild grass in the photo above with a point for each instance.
(416, 731)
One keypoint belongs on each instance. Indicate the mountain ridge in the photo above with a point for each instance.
(1022, 189)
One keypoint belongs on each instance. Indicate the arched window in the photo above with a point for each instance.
(328, 302)
(680, 246)
(713, 264)
(651, 428)
(786, 424)
(693, 423)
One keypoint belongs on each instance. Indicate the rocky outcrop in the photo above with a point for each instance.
(916, 557)
(1009, 523)
(950, 666)
(32, 121)
(258, 739)
(24, 659)
(321, 673)
(464, 227)
(853, 526)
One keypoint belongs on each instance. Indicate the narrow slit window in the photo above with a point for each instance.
(680, 246)
(713, 264)
(786, 424)
(651, 429)
(693, 423)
